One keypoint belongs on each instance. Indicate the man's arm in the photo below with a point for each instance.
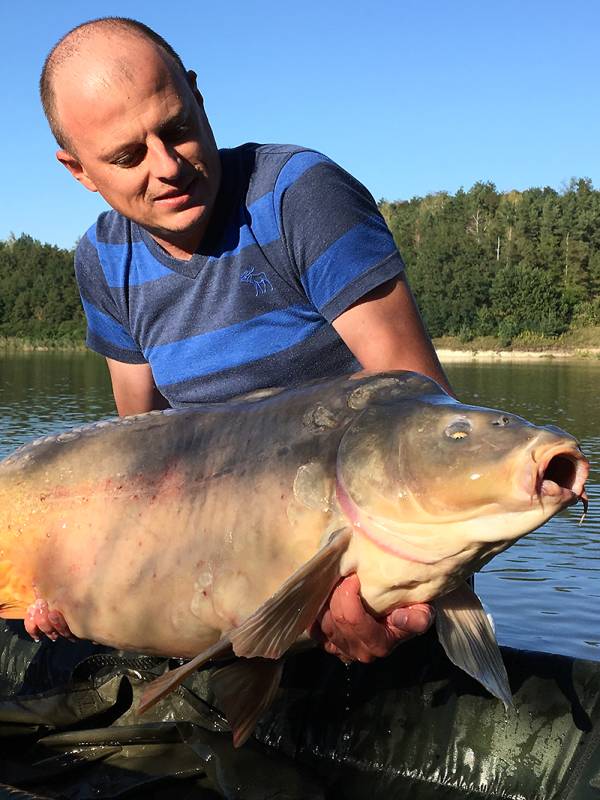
(384, 330)
(134, 389)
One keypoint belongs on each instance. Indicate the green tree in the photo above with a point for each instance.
(528, 299)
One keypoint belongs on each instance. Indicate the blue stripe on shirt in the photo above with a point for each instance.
(232, 346)
(262, 219)
(115, 257)
(362, 247)
(107, 328)
(264, 228)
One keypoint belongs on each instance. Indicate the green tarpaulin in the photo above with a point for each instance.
(408, 727)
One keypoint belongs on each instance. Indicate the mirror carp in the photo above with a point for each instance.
(220, 530)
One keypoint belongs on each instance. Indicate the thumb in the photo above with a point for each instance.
(412, 619)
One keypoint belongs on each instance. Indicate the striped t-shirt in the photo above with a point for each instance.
(293, 241)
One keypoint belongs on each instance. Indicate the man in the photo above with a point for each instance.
(221, 272)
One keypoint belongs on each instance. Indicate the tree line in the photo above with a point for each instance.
(488, 263)
(481, 263)
(39, 299)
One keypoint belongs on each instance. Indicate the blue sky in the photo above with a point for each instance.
(410, 96)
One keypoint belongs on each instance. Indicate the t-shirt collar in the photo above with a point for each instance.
(225, 202)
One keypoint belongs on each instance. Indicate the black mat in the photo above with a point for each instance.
(408, 727)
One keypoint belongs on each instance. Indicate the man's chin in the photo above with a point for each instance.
(183, 230)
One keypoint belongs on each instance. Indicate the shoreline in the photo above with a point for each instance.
(447, 351)
(449, 355)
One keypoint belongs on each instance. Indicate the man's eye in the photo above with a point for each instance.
(128, 159)
(178, 133)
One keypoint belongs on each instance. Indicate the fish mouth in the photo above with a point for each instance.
(559, 475)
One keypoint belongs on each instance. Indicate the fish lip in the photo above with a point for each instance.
(545, 487)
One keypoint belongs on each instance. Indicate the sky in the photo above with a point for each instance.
(410, 96)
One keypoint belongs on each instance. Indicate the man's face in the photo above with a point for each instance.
(142, 140)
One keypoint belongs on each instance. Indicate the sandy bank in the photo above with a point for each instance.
(587, 354)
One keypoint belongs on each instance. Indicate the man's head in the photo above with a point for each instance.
(131, 125)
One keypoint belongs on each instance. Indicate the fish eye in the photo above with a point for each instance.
(501, 421)
(459, 429)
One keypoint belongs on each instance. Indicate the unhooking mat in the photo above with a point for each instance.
(409, 727)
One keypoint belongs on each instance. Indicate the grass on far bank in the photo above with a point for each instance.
(580, 339)
(24, 344)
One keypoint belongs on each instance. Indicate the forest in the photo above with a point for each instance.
(39, 300)
(510, 265)
(487, 263)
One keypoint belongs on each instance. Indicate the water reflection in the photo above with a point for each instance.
(543, 592)
(41, 393)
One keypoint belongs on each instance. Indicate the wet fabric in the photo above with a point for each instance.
(410, 726)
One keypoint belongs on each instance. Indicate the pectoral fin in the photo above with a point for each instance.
(276, 625)
(469, 641)
(244, 690)
(161, 687)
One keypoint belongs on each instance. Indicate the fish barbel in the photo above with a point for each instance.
(222, 529)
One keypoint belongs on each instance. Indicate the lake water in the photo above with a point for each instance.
(544, 593)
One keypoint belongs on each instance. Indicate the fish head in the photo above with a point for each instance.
(429, 478)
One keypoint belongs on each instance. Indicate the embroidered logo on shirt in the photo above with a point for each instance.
(259, 280)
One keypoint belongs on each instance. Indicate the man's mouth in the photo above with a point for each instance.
(176, 196)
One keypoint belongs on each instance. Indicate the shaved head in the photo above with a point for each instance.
(131, 125)
(99, 40)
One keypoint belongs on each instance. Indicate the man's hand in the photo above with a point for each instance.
(347, 630)
(40, 620)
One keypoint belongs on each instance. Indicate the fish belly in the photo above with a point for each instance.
(160, 539)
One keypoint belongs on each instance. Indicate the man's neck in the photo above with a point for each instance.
(183, 246)
(183, 251)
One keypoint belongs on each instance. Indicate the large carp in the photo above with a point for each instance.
(222, 529)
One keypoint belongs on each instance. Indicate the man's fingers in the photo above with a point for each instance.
(411, 620)
(41, 620)
(345, 605)
(349, 631)
(59, 624)
(32, 629)
(356, 634)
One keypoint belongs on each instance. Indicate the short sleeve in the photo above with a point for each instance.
(335, 235)
(107, 333)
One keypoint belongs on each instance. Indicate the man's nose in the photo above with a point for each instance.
(164, 161)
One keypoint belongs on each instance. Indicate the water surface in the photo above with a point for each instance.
(544, 593)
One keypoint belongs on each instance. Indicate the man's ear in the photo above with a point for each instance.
(76, 169)
(191, 77)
